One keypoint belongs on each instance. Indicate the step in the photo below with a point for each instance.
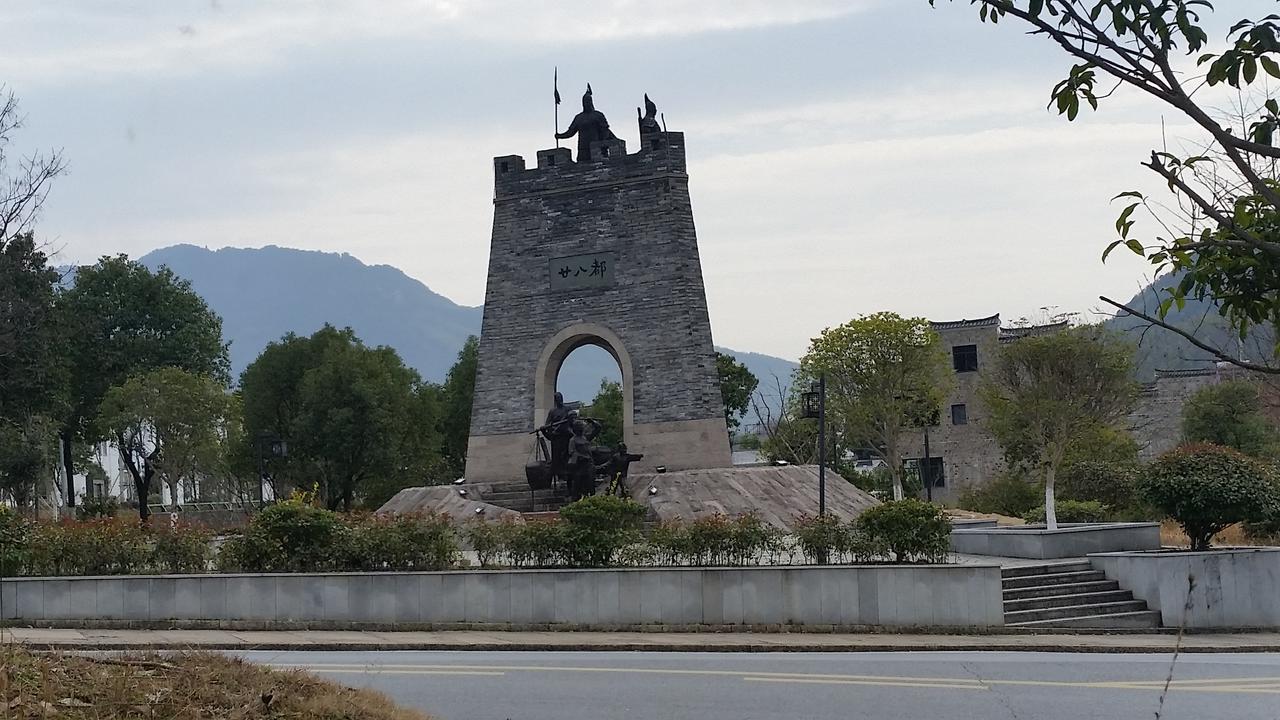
(1061, 589)
(1045, 569)
(1054, 579)
(1053, 601)
(1072, 611)
(537, 494)
(1135, 619)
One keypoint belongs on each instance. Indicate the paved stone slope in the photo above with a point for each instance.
(777, 494)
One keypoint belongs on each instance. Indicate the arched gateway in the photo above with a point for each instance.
(601, 251)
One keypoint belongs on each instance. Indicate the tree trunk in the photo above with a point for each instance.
(68, 467)
(1050, 512)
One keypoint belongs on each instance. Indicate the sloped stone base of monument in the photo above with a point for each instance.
(447, 500)
(778, 495)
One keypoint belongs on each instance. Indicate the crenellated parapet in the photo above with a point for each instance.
(661, 156)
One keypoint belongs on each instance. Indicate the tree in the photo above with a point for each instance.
(737, 384)
(1229, 414)
(23, 188)
(1207, 488)
(459, 391)
(1045, 391)
(1222, 232)
(357, 421)
(122, 320)
(29, 363)
(607, 408)
(270, 392)
(355, 410)
(885, 373)
(166, 424)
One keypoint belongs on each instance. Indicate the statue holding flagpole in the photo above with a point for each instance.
(589, 125)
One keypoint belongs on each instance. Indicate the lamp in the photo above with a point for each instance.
(811, 402)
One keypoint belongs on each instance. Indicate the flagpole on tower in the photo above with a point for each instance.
(555, 84)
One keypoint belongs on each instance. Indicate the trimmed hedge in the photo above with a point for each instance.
(1207, 488)
(600, 531)
(1072, 511)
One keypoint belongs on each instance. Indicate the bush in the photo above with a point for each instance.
(490, 540)
(821, 539)
(1072, 511)
(98, 506)
(912, 530)
(95, 547)
(401, 542)
(288, 537)
(537, 543)
(15, 536)
(183, 549)
(1114, 485)
(714, 540)
(1207, 488)
(595, 528)
(1008, 494)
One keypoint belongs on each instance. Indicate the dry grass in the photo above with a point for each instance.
(189, 686)
(1171, 535)
(971, 515)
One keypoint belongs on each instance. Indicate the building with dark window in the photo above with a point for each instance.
(963, 452)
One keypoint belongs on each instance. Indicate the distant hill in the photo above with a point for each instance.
(263, 293)
(1159, 349)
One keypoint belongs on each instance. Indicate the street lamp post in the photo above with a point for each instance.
(815, 406)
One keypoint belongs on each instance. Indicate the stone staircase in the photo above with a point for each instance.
(1070, 594)
(515, 495)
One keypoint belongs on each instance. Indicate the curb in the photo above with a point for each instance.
(639, 647)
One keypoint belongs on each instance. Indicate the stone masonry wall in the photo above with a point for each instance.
(635, 207)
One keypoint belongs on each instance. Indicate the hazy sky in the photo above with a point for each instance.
(844, 157)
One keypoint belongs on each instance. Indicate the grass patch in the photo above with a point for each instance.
(1171, 535)
(179, 686)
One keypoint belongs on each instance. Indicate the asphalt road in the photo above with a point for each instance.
(749, 686)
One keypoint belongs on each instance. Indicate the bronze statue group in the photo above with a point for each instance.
(574, 461)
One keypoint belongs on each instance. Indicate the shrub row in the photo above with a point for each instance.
(903, 531)
(99, 547)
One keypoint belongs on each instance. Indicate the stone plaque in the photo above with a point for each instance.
(581, 271)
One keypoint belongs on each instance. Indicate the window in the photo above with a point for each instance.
(959, 415)
(965, 358)
(934, 469)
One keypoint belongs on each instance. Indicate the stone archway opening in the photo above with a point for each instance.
(575, 362)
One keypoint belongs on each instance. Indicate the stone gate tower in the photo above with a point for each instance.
(603, 252)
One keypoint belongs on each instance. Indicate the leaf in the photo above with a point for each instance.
(1136, 246)
(1250, 69)
(1271, 67)
(1122, 226)
(1110, 247)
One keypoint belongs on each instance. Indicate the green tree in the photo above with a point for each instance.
(270, 395)
(167, 425)
(122, 320)
(607, 408)
(1229, 414)
(357, 421)
(1045, 391)
(459, 391)
(1221, 231)
(355, 411)
(885, 374)
(737, 384)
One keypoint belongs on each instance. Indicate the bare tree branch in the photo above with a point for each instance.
(1192, 339)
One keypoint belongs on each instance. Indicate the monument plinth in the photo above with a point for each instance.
(601, 251)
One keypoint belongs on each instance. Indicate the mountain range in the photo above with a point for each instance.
(263, 293)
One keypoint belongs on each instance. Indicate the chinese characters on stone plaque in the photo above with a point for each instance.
(581, 271)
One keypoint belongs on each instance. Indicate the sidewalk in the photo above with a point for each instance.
(68, 639)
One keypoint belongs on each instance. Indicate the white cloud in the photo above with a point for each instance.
(57, 38)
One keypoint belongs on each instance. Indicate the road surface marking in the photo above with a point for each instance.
(1259, 685)
(821, 681)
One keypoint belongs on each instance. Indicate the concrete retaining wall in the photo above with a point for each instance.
(1229, 588)
(920, 595)
(1069, 540)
